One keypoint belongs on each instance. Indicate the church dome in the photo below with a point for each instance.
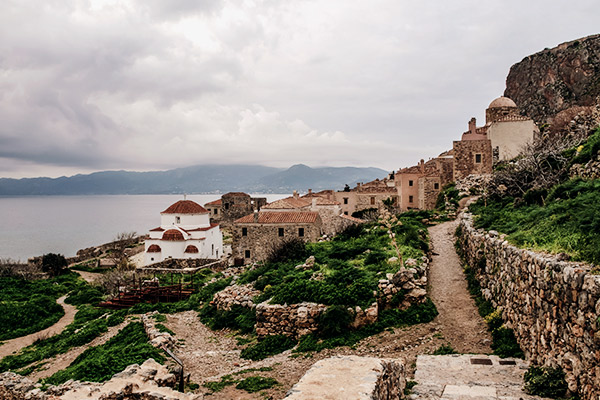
(185, 207)
(173, 234)
(502, 102)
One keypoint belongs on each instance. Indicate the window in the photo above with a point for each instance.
(227, 206)
(212, 249)
(280, 232)
(216, 211)
(478, 158)
(345, 200)
(247, 254)
(345, 212)
(177, 220)
(436, 186)
(410, 183)
(301, 232)
(410, 199)
(372, 200)
(244, 231)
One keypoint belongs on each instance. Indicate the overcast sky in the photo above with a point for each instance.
(157, 84)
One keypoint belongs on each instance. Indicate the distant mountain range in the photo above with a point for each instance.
(196, 179)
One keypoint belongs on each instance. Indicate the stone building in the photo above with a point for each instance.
(234, 205)
(185, 232)
(329, 210)
(368, 195)
(256, 234)
(505, 133)
(418, 186)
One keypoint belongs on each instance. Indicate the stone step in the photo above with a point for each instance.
(469, 377)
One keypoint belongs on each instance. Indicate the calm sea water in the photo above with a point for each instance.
(32, 226)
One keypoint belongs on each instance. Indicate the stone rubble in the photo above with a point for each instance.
(157, 338)
(235, 295)
(148, 381)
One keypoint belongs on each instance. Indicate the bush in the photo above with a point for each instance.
(335, 321)
(240, 318)
(289, 249)
(53, 264)
(443, 350)
(545, 382)
(267, 347)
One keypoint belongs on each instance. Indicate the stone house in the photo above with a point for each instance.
(368, 195)
(234, 205)
(419, 186)
(329, 210)
(185, 232)
(256, 234)
(505, 133)
(214, 210)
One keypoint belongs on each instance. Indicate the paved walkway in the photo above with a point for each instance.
(12, 345)
(469, 377)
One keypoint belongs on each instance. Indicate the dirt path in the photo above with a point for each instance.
(10, 346)
(89, 277)
(62, 361)
(461, 324)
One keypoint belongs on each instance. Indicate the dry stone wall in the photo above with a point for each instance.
(291, 320)
(553, 306)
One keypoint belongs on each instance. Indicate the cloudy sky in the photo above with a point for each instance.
(156, 84)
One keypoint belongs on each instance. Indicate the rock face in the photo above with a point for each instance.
(557, 79)
(351, 377)
(553, 306)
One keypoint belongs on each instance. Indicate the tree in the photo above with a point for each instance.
(118, 246)
(54, 264)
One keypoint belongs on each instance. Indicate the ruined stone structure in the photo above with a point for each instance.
(368, 195)
(255, 235)
(419, 186)
(235, 205)
(553, 306)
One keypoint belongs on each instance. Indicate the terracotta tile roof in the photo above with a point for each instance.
(159, 229)
(217, 202)
(191, 249)
(288, 203)
(154, 248)
(173, 235)
(207, 228)
(326, 202)
(284, 217)
(353, 219)
(185, 207)
(236, 194)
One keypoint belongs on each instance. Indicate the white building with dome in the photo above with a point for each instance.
(185, 232)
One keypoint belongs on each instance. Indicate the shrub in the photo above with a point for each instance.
(443, 350)
(289, 249)
(505, 344)
(335, 321)
(240, 318)
(53, 264)
(267, 347)
(545, 382)
(253, 384)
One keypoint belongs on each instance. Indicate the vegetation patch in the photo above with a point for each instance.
(443, 350)
(545, 382)
(254, 384)
(267, 347)
(100, 363)
(162, 328)
(239, 318)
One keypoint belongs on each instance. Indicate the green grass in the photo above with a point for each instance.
(267, 347)
(443, 350)
(100, 363)
(30, 306)
(254, 384)
(247, 384)
(569, 222)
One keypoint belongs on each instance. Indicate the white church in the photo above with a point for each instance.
(185, 231)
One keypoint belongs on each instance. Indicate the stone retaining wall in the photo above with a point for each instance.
(294, 320)
(553, 306)
(235, 295)
(177, 263)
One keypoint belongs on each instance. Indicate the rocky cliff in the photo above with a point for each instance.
(557, 84)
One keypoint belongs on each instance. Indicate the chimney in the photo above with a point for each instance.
(422, 166)
(295, 195)
(314, 203)
(256, 216)
(309, 191)
(473, 125)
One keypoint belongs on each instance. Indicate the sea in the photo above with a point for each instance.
(35, 225)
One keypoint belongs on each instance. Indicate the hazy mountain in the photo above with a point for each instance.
(196, 179)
